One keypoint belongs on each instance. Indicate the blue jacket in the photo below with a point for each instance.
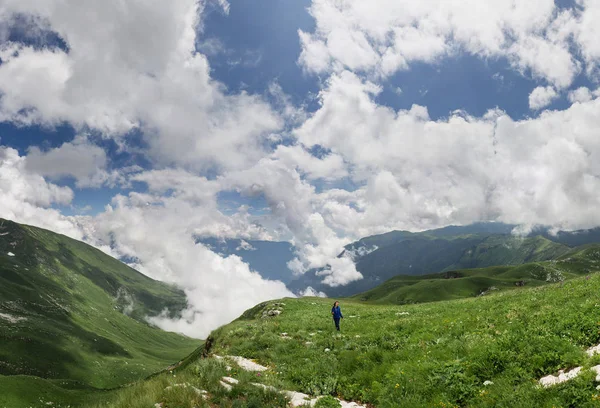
(337, 312)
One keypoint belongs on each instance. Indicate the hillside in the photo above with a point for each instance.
(473, 282)
(75, 317)
(487, 351)
(401, 253)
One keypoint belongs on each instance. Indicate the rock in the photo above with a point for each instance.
(593, 350)
(225, 385)
(486, 383)
(551, 380)
(247, 364)
(271, 313)
(265, 387)
(230, 380)
(327, 350)
(596, 369)
(298, 399)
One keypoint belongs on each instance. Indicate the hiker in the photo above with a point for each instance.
(337, 314)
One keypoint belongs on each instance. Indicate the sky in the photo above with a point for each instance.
(139, 126)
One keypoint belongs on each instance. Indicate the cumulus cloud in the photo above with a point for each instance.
(384, 36)
(541, 97)
(137, 70)
(581, 94)
(79, 159)
(28, 198)
(160, 234)
(417, 173)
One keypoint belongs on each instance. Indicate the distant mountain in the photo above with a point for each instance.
(473, 282)
(269, 258)
(381, 257)
(384, 256)
(69, 311)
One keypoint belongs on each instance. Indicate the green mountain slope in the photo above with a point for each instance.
(382, 257)
(487, 351)
(70, 312)
(473, 282)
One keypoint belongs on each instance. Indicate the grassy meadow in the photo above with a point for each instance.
(72, 320)
(427, 355)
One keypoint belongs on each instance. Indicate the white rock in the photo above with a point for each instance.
(230, 380)
(351, 404)
(10, 254)
(225, 385)
(593, 350)
(551, 380)
(265, 387)
(327, 350)
(298, 399)
(596, 369)
(247, 364)
(488, 382)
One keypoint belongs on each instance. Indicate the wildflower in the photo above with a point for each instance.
(397, 385)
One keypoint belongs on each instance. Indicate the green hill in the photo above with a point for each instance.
(382, 257)
(74, 317)
(473, 282)
(487, 351)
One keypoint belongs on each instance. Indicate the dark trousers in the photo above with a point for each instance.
(337, 323)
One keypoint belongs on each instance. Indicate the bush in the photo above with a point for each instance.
(328, 402)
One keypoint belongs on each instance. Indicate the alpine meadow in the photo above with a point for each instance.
(308, 203)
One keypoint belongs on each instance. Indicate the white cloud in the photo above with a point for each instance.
(383, 36)
(138, 69)
(310, 291)
(160, 233)
(79, 159)
(541, 97)
(419, 173)
(28, 197)
(580, 95)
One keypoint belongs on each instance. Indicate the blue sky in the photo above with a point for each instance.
(140, 126)
(255, 45)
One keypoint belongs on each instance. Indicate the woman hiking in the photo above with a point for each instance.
(337, 314)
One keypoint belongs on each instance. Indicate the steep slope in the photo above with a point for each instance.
(402, 253)
(70, 312)
(473, 282)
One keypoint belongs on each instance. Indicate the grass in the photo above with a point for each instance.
(81, 333)
(431, 355)
(437, 354)
(78, 317)
(473, 282)
(425, 253)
